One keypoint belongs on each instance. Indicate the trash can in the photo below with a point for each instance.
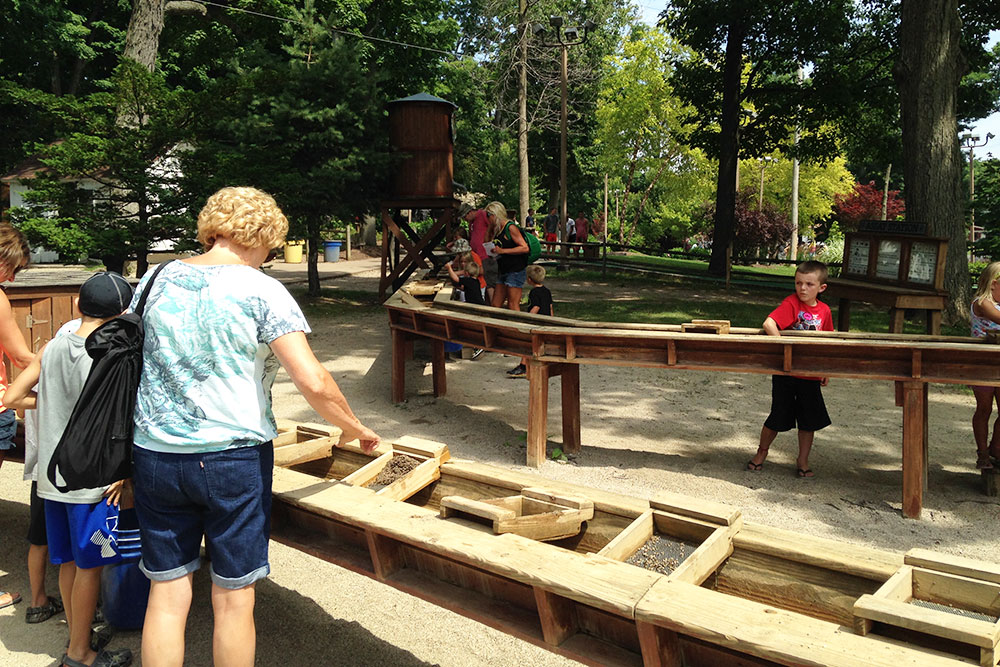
(293, 252)
(331, 251)
(124, 588)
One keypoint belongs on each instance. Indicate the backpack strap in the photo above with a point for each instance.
(141, 306)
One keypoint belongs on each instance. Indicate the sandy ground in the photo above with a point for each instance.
(643, 431)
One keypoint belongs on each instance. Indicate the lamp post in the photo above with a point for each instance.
(971, 141)
(565, 37)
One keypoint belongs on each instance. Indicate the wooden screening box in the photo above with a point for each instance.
(676, 523)
(706, 326)
(961, 602)
(429, 456)
(535, 513)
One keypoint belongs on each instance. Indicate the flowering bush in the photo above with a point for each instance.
(865, 203)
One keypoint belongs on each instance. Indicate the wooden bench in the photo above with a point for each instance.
(901, 271)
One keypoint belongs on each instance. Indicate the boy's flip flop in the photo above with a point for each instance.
(805, 473)
(7, 599)
(754, 467)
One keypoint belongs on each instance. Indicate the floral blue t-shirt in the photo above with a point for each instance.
(207, 367)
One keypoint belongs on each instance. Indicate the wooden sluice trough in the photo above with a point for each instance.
(709, 589)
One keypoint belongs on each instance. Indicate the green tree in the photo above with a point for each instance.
(639, 120)
(306, 126)
(135, 204)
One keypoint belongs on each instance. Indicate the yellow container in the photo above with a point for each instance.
(293, 252)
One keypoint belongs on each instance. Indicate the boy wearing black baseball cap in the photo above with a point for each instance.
(81, 526)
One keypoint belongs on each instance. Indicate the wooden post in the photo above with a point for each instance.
(438, 368)
(914, 456)
(398, 366)
(538, 406)
(934, 322)
(844, 315)
(896, 320)
(558, 616)
(571, 407)
(387, 557)
(659, 646)
(348, 257)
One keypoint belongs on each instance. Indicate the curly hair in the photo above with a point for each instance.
(14, 251)
(246, 216)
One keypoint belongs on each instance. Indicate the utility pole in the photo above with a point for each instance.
(971, 141)
(524, 181)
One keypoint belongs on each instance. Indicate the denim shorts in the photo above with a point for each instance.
(224, 495)
(8, 427)
(514, 278)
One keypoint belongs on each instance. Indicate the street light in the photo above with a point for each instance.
(971, 141)
(565, 37)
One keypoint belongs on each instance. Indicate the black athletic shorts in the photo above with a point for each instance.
(36, 521)
(796, 402)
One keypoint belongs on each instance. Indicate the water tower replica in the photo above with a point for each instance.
(420, 134)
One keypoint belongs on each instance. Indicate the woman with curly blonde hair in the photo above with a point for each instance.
(216, 330)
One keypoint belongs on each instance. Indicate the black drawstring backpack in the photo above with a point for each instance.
(95, 450)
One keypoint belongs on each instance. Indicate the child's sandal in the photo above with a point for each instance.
(983, 461)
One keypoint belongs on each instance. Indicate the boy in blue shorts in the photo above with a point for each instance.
(82, 525)
(797, 401)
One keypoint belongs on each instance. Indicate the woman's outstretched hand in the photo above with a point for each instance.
(368, 438)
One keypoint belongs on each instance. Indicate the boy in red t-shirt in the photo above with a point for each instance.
(797, 401)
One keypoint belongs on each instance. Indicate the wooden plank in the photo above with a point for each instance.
(660, 647)
(457, 505)
(629, 540)
(928, 621)
(557, 615)
(398, 378)
(538, 409)
(571, 407)
(897, 588)
(366, 474)
(706, 510)
(955, 591)
(427, 448)
(558, 498)
(300, 452)
(420, 477)
(914, 454)
(387, 556)
(856, 560)
(438, 373)
(671, 353)
(707, 558)
(771, 633)
(963, 567)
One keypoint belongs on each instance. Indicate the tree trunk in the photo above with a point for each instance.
(885, 193)
(524, 182)
(725, 193)
(142, 40)
(312, 268)
(927, 74)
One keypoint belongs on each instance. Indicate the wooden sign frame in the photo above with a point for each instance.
(893, 259)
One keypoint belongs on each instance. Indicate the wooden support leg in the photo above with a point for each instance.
(571, 407)
(896, 320)
(558, 617)
(398, 366)
(914, 459)
(538, 407)
(437, 368)
(659, 646)
(386, 554)
(934, 322)
(988, 657)
(927, 432)
(844, 315)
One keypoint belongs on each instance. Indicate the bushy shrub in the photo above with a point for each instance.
(761, 231)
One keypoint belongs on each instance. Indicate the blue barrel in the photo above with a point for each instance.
(124, 588)
(331, 251)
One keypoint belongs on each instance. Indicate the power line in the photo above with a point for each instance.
(336, 30)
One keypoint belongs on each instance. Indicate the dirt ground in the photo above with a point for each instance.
(643, 430)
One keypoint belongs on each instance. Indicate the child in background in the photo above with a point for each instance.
(797, 401)
(14, 256)
(985, 317)
(539, 303)
(82, 525)
(468, 282)
(460, 235)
